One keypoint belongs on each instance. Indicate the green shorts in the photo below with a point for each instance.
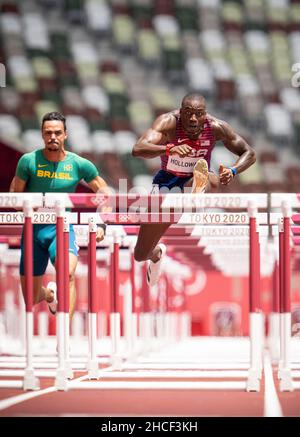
(44, 247)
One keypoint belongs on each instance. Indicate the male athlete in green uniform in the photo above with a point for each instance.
(48, 170)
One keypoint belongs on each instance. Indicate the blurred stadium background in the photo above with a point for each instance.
(112, 66)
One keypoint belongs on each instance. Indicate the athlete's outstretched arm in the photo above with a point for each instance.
(98, 185)
(17, 185)
(237, 145)
(151, 143)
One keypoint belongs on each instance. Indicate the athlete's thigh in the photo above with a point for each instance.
(73, 260)
(73, 248)
(149, 235)
(40, 257)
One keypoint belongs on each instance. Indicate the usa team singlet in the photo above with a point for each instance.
(175, 170)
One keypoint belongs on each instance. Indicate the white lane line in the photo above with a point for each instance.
(11, 384)
(19, 373)
(49, 359)
(13, 365)
(7, 403)
(14, 400)
(272, 407)
(161, 385)
(184, 366)
(170, 374)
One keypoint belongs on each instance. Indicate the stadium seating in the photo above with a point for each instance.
(112, 66)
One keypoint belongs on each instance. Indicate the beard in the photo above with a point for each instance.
(53, 147)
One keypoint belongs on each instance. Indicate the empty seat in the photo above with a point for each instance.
(200, 76)
(79, 134)
(10, 129)
(290, 98)
(162, 99)
(124, 141)
(83, 51)
(10, 99)
(10, 24)
(98, 15)
(294, 38)
(32, 140)
(123, 32)
(35, 32)
(232, 14)
(44, 106)
(294, 17)
(278, 122)
(113, 83)
(95, 97)
(277, 14)
(102, 141)
(71, 97)
(148, 47)
(213, 44)
(165, 25)
(141, 116)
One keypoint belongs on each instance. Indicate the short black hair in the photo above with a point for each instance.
(192, 96)
(54, 116)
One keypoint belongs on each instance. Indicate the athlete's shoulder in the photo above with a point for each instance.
(212, 120)
(83, 164)
(217, 123)
(30, 156)
(166, 121)
(74, 158)
(27, 164)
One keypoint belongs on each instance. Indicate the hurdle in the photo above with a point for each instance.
(187, 218)
(283, 229)
(27, 202)
(168, 207)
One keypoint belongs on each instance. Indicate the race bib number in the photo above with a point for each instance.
(181, 165)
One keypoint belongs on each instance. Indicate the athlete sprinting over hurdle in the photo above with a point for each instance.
(53, 170)
(184, 139)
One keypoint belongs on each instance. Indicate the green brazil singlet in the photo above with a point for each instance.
(43, 176)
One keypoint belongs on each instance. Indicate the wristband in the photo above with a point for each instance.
(168, 148)
(103, 226)
(233, 171)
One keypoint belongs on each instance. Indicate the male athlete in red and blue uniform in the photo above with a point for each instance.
(184, 139)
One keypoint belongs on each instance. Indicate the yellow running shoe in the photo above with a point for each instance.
(200, 176)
